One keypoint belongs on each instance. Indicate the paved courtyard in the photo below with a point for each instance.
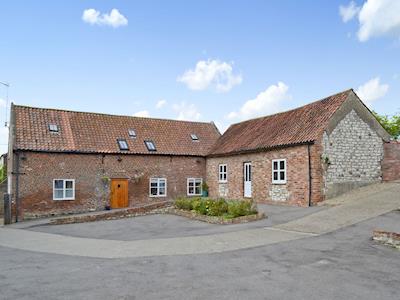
(344, 264)
(268, 259)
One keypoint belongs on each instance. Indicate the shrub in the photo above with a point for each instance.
(217, 207)
(184, 203)
(241, 208)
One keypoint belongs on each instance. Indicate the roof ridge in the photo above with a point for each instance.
(111, 115)
(293, 109)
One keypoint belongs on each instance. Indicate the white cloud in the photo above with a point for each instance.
(161, 103)
(114, 18)
(348, 12)
(142, 113)
(378, 18)
(211, 73)
(222, 127)
(186, 111)
(372, 90)
(266, 102)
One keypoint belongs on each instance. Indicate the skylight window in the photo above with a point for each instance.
(53, 128)
(194, 137)
(150, 145)
(132, 133)
(123, 145)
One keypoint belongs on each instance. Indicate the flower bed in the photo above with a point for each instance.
(217, 210)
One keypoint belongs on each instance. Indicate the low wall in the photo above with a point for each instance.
(391, 162)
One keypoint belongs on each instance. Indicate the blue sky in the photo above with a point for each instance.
(207, 60)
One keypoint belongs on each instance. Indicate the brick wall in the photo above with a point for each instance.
(88, 170)
(294, 192)
(391, 161)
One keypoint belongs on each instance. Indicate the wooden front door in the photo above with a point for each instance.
(119, 193)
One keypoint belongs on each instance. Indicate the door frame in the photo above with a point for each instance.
(247, 179)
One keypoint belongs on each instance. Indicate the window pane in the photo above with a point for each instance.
(58, 184)
(275, 175)
(162, 183)
(162, 191)
(69, 193)
(282, 175)
(275, 165)
(191, 190)
(58, 194)
(68, 184)
(198, 190)
(282, 164)
(153, 191)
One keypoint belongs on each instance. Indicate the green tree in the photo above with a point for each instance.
(390, 123)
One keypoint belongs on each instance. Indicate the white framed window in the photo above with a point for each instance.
(194, 186)
(63, 189)
(222, 173)
(279, 171)
(158, 187)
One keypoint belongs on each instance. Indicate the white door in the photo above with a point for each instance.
(247, 179)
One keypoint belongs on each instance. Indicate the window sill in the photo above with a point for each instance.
(225, 181)
(279, 183)
(64, 199)
(157, 196)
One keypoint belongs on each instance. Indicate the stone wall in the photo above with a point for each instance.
(89, 170)
(294, 192)
(352, 155)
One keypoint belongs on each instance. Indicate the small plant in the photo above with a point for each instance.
(105, 179)
(204, 187)
(325, 159)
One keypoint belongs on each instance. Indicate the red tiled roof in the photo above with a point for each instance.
(98, 133)
(298, 126)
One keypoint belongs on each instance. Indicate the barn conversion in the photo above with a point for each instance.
(67, 162)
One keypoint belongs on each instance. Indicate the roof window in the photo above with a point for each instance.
(123, 145)
(132, 133)
(194, 137)
(150, 145)
(53, 128)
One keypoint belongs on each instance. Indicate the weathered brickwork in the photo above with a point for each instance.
(294, 192)
(91, 188)
(352, 155)
(391, 161)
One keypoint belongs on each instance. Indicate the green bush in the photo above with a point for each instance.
(218, 207)
(241, 208)
(184, 203)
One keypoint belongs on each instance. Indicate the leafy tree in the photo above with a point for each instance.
(390, 123)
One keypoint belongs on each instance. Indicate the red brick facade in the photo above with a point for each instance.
(298, 179)
(90, 172)
(391, 162)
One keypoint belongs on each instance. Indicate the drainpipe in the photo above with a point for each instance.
(309, 176)
(16, 187)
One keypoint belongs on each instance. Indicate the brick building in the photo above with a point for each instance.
(301, 156)
(67, 162)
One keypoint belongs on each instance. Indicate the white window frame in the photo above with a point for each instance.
(222, 173)
(64, 189)
(158, 179)
(150, 145)
(194, 186)
(279, 170)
